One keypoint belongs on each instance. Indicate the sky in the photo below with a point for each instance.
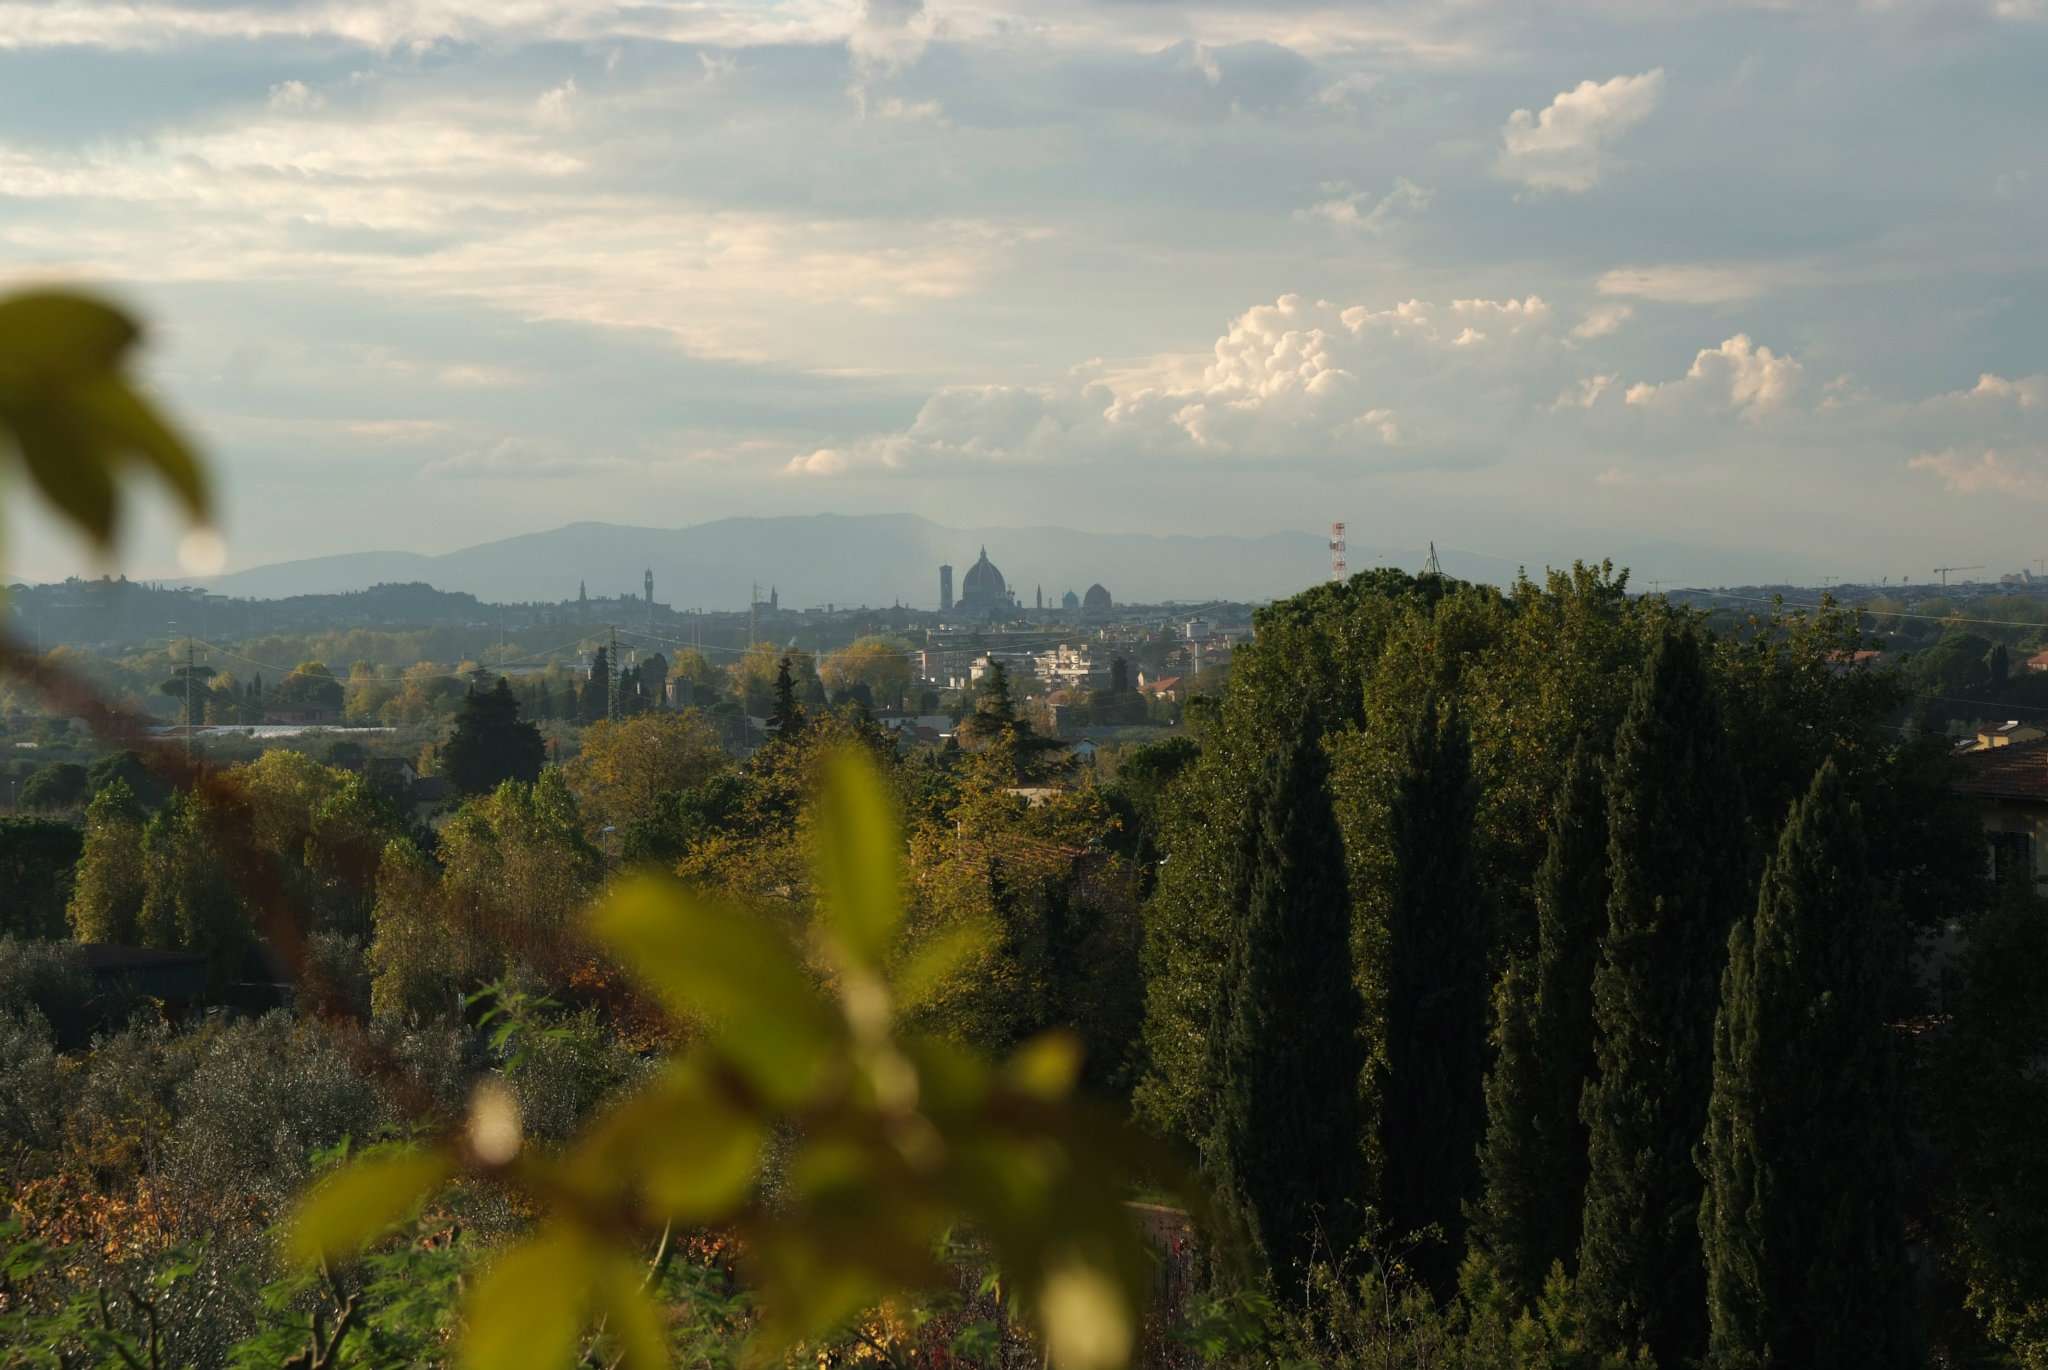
(1728, 292)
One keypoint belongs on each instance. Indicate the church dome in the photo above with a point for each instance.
(1097, 600)
(984, 586)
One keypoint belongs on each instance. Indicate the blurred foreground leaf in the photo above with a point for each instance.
(74, 417)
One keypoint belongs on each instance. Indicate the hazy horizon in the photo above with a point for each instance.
(1729, 294)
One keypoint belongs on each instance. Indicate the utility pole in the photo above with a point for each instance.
(188, 696)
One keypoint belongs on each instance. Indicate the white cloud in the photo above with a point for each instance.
(524, 459)
(289, 97)
(1294, 379)
(823, 462)
(1565, 146)
(1348, 208)
(1602, 321)
(2027, 392)
(1702, 282)
(553, 106)
(1739, 375)
(1586, 393)
(1989, 472)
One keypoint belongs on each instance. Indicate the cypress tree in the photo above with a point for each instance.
(1432, 1109)
(1803, 1156)
(1287, 1146)
(597, 691)
(1533, 1161)
(788, 717)
(1678, 879)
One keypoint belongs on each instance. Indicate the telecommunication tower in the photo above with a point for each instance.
(1340, 569)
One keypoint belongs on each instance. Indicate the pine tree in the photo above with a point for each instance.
(1432, 1110)
(1803, 1157)
(1678, 875)
(1287, 1145)
(490, 744)
(1534, 1158)
(788, 718)
(595, 704)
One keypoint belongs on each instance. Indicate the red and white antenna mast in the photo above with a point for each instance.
(1340, 569)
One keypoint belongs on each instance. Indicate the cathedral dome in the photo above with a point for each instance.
(984, 587)
(1096, 601)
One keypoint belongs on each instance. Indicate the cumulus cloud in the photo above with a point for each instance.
(1358, 209)
(1586, 393)
(289, 97)
(1566, 145)
(1294, 379)
(1987, 472)
(2028, 392)
(1602, 321)
(1739, 375)
(553, 106)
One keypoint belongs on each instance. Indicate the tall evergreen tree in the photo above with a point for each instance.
(1288, 1053)
(1803, 1157)
(490, 743)
(1678, 874)
(1533, 1161)
(595, 702)
(788, 718)
(1432, 1111)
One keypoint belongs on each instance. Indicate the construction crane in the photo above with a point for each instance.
(1943, 571)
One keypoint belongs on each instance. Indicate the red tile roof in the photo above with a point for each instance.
(2019, 771)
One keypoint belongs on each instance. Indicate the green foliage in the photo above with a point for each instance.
(491, 744)
(1431, 945)
(1286, 1153)
(901, 1136)
(36, 860)
(1987, 1101)
(61, 786)
(1678, 878)
(76, 422)
(108, 887)
(1802, 1219)
(1533, 1160)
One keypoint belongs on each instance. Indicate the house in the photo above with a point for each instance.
(1866, 658)
(2007, 733)
(2037, 662)
(1166, 687)
(2010, 785)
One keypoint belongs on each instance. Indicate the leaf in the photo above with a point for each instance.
(631, 1317)
(692, 1153)
(529, 1307)
(1088, 1323)
(859, 875)
(1047, 1066)
(357, 1203)
(55, 335)
(75, 418)
(939, 959)
(734, 971)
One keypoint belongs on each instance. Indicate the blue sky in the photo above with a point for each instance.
(1730, 292)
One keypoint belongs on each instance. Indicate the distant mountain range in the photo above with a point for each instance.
(872, 560)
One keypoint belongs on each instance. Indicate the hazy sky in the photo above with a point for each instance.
(1727, 291)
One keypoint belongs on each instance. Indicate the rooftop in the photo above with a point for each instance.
(2019, 771)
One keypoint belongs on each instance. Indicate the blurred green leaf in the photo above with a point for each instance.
(858, 866)
(529, 1308)
(730, 969)
(1087, 1319)
(75, 418)
(1047, 1066)
(633, 1321)
(693, 1152)
(355, 1204)
(939, 959)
